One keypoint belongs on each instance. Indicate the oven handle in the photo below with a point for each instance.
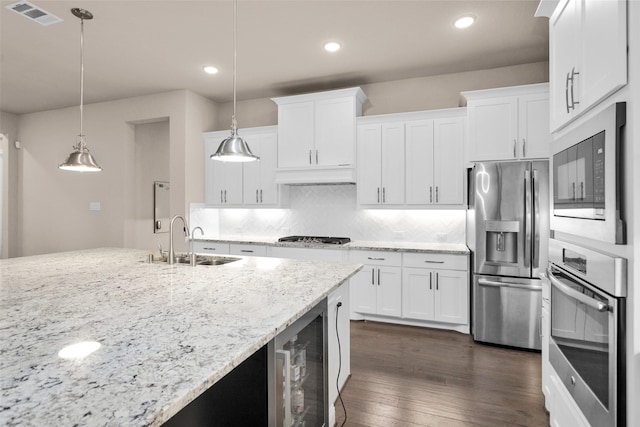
(485, 282)
(570, 292)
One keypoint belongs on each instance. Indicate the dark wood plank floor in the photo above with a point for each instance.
(408, 376)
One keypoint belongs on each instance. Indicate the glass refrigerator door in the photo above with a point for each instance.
(300, 374)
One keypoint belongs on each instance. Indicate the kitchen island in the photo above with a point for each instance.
(167, 332)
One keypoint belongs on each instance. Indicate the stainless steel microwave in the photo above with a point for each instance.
(586, 175)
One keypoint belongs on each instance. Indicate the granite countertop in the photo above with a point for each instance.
(393, 246)
(168, 332)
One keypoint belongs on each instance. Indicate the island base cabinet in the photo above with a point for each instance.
(239, 398)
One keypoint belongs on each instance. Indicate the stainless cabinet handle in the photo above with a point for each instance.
(573, 191)
(514, 147)
(378, 277)
(524, 148)
(437, 280)
(378, 194)
(246, 251)
(221, 199)
(574, 73)
(430, 194)
(316, 157)
(384, 199)
(582, 191)
(566, 93)
(376, 259)
(261, 196)
(436, 194)
(210, 249)
(373, 277)
(225, 196)
(430, 281)
(310, 156)
(256, 196)
(434, 262)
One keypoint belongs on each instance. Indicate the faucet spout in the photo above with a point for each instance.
(193, 235)
(185, 227)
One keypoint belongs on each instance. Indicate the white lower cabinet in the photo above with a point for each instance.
(435, 287)
(247, 249)
(377, 288)
(212, 248)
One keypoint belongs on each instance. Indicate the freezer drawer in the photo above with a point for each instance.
(506, 311)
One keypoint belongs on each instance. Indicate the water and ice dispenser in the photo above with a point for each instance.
(502, 241)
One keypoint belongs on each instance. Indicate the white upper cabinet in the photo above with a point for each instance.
(317, 136)
(412, 159)
(509, 123)
(587, 55)
(223, 180)
(434, 161)
(381, 164)
(259, 178)
(243, 184)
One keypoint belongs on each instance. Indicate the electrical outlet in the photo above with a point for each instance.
(95, 206)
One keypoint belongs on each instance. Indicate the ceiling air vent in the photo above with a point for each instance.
(34, 13)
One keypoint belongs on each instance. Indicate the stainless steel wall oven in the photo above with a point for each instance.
(586, 346)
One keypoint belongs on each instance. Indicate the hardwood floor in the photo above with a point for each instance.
(408, 376)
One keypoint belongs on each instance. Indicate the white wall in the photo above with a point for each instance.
(423, 93)
(55, 206)
(11, 220)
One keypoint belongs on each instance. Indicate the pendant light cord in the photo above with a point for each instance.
(81, 81)
(234, 124)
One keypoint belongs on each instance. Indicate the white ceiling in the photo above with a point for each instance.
(141, 47)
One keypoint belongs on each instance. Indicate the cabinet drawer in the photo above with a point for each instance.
(247, 250)
(204, 247)
(433, 260)
(376, 257)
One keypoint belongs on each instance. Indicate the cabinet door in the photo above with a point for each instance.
(419, 162)
(335, 132)
(448, 169)
(389, 298)
(268, 194)
(295, 133)
(492, 129)
(251, 172)
(451, 297)
(369, 164)
(417, 293)
(364, 290)
(392, 168)
(604, 50)
(223, 179)
(533, 127)
(564, 56)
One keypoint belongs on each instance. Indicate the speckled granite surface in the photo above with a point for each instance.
(167, 332)
(447, 248)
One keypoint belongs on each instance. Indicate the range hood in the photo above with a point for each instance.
(317, 175)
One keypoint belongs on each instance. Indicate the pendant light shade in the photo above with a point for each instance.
(234, 148)
(80, 160)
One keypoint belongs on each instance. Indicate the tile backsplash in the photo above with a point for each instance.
(332, 210)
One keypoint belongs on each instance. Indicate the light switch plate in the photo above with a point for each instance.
(95, 206)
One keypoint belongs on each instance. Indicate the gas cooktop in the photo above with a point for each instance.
(316, 239)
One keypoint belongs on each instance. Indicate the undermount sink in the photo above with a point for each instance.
(201, 259)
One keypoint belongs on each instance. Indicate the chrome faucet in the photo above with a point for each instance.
(193, 254)
(185, 227)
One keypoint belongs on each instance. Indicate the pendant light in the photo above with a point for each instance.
(234, 148)
(80, 160)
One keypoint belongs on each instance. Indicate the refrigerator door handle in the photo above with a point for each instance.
(536, 220)
(527, 218)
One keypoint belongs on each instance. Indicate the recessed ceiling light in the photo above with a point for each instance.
(79, 350)
(464, 21)
(210, 69)
(332, 46)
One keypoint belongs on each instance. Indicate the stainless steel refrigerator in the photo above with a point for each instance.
(508, 234)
